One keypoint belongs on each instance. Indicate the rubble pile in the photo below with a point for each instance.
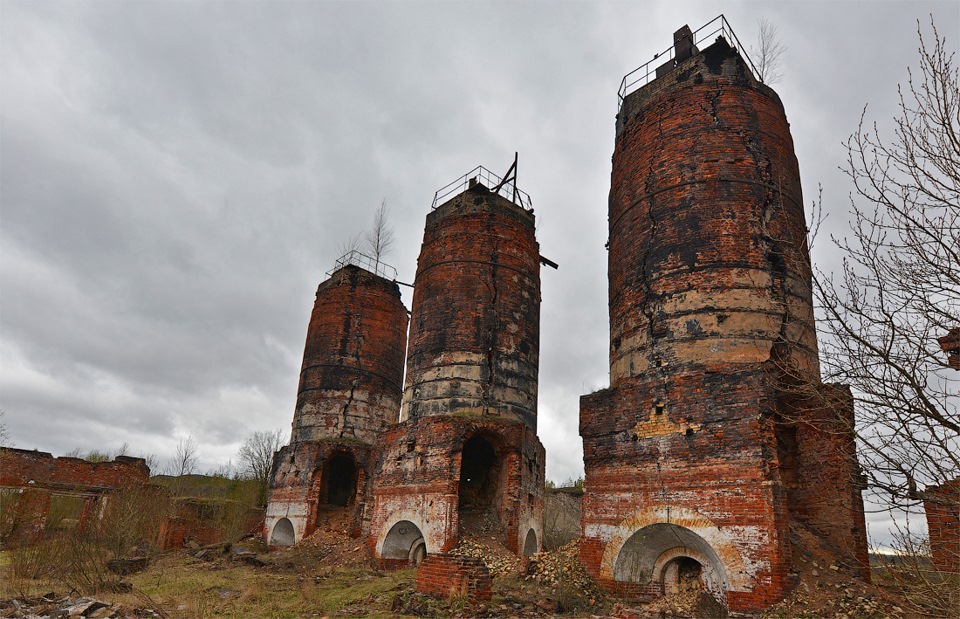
(499, 560)
(50, 606)
(330, 545)
(693, 602)
(562, 566)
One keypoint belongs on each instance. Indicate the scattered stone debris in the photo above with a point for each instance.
(50, 606)
(562, 566)
(500, 561)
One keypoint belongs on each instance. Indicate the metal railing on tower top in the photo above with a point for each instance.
(643, 75)
(489, 180)
(365, 262)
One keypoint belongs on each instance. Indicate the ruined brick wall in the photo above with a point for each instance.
(352, 373)
(446, 576)
(417, 485)
(710, 315)
(300, 487)
(942, 506)
(691, 453)
(475, 317)
(31, 480)
(817, 467)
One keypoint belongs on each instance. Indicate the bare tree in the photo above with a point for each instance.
(348, 245)
(899, 288)
(184, 461)
(5, 431)
(256, 458)
(769, 52)
(379, 237)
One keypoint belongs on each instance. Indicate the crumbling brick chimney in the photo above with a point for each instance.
(466, 450)
(716, 433)
(350, 392)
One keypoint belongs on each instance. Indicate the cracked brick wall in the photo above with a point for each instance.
(711, 336)
(349, 394)
(475, 319)
(350, 381)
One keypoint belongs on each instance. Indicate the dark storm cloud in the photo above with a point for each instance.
(176, 179)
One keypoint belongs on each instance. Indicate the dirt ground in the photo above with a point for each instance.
(330, 574)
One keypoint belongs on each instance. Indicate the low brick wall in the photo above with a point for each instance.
(445, 576)
(943, 520)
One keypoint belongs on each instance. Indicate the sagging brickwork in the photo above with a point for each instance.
(466, 449)
(447, 576)
(942, 506)
(349, 394)
(37, 487)
(716, 432)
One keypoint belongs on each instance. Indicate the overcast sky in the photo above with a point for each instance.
(176, 177)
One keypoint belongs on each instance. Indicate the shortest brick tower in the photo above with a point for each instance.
(350, 388)
(466, 456)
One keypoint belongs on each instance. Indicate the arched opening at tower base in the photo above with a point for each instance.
(404, 543)
(666, 558)
(530, 544)
(479, 475)
(338, 486)
(282, 534)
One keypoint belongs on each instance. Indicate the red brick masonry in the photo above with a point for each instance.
(943, 520)
(445, 576)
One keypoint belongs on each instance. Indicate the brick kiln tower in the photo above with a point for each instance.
(466, 453)
(716, 435)
(350, 392)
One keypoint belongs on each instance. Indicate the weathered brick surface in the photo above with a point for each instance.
(475, 319)
(942, 505)
(418, 481)
(31, 478)
(445, 576)
(300, 492)
(349, 394)
(351, 379)
(703, 446)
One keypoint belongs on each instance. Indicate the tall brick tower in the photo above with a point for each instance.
(466, 453)
(350, 392)
(716, 433)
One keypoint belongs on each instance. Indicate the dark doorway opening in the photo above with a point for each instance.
(478, 475)
(339, 483)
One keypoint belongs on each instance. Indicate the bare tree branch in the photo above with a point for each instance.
(769, 52)
(379, 237)
(898, 290)
(256, 458)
